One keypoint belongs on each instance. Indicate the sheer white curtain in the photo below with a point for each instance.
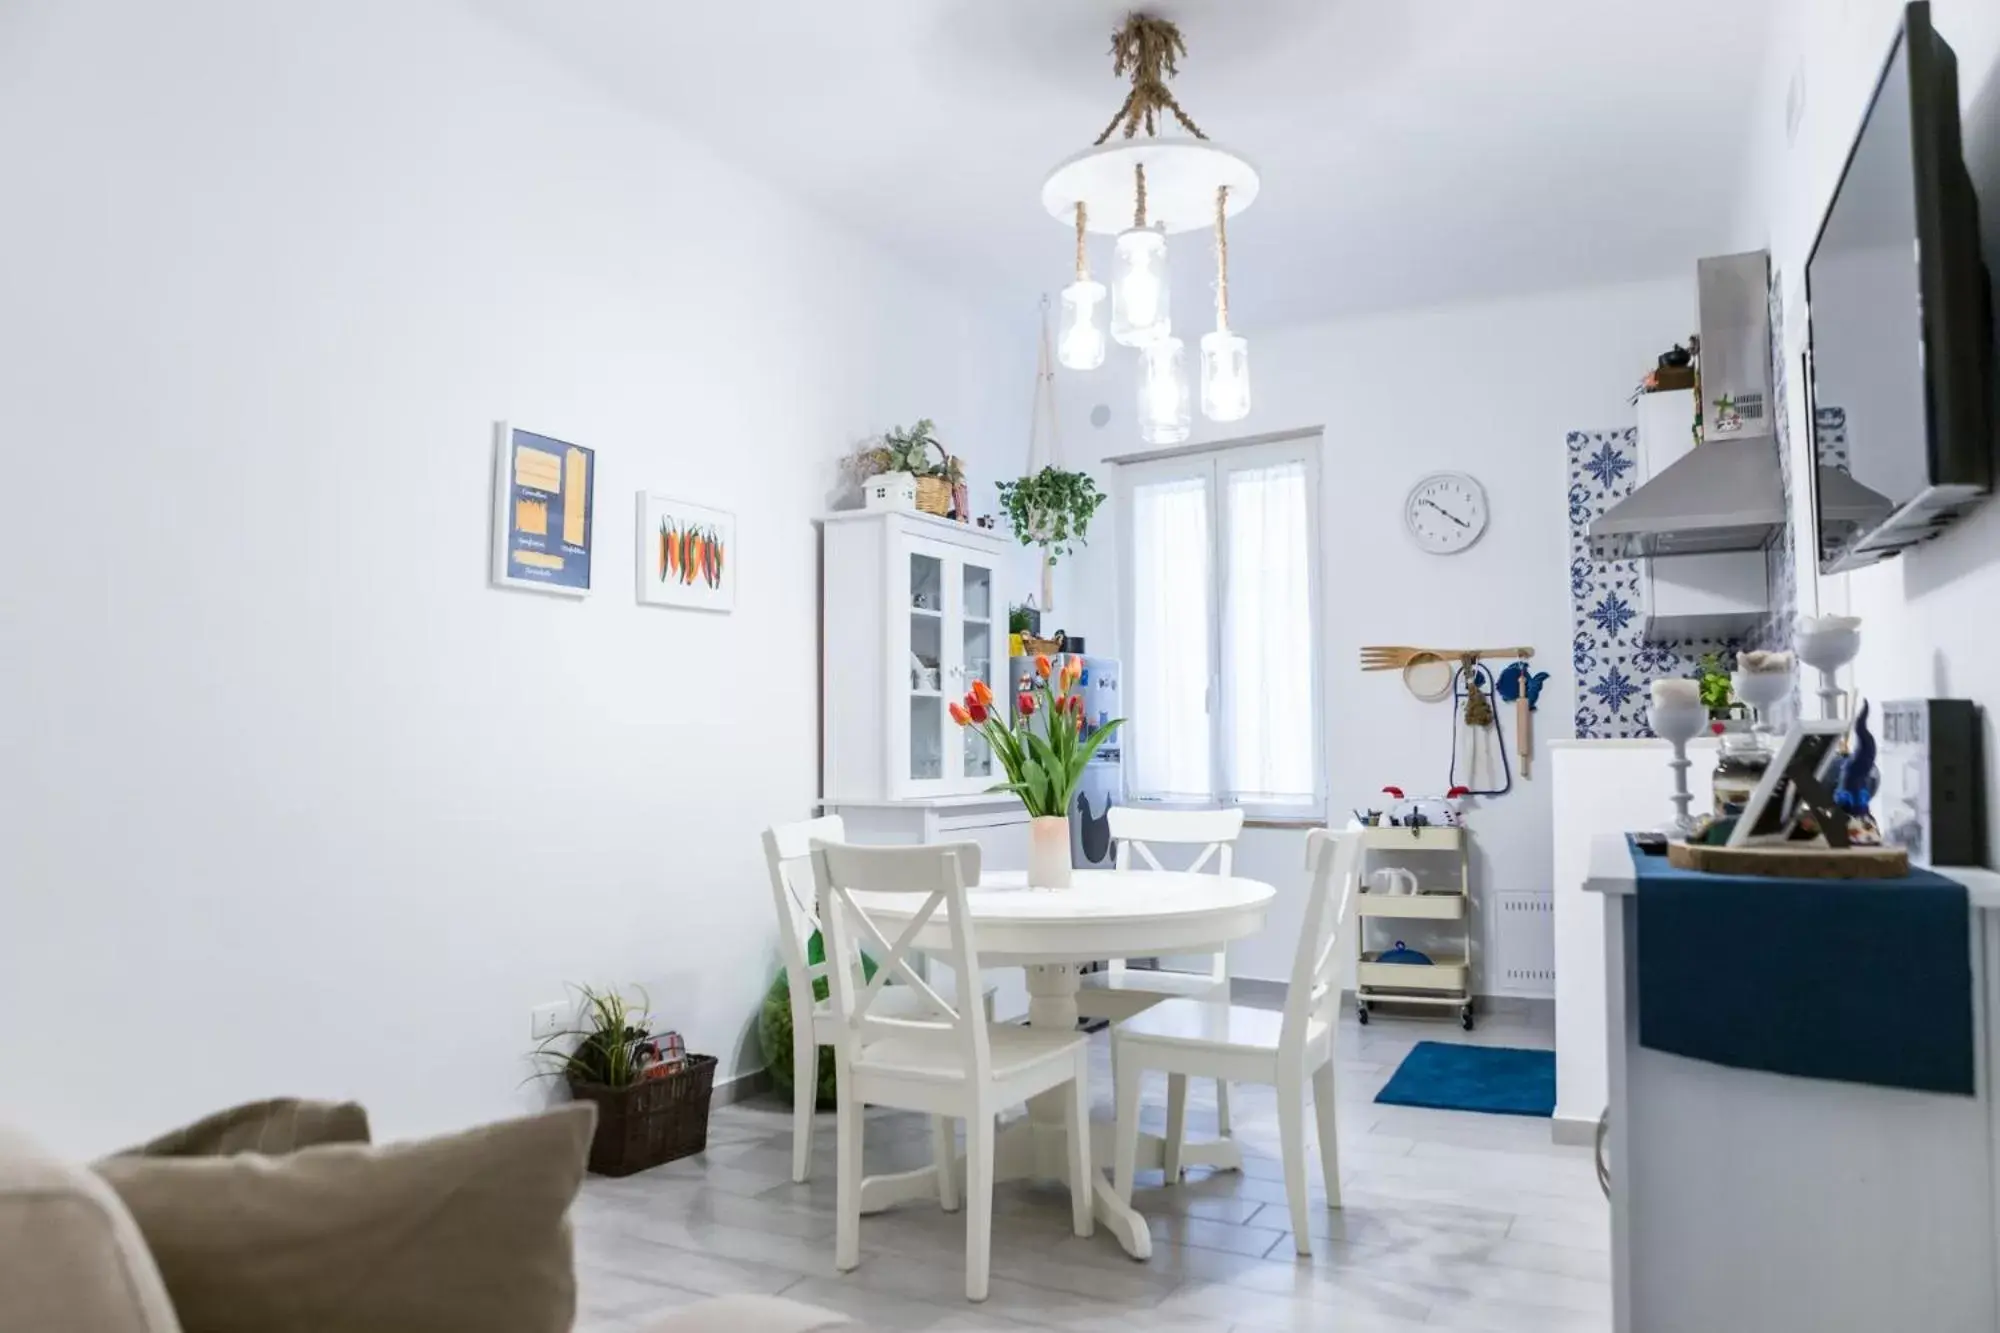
(1168, 752)
(1269, 728)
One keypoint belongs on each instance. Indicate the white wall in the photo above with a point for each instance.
(1930, 628)
(1490, 389)
(292, 801)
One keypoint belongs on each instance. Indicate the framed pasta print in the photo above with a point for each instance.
(687, 554)
(543, 515)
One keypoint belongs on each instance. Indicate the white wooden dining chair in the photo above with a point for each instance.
(950, 1062)
(1192, 1038)
(1119, 992)
(788, 853)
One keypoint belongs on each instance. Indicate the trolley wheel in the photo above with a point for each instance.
(1361, 1012)
(1465, 1018)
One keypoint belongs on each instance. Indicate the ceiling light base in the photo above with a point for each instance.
(1182, 176)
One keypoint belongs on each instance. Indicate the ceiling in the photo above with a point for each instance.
(1414, 152)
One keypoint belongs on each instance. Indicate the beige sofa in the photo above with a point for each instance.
(72, 1261)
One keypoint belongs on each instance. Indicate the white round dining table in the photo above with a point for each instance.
(1053, 933)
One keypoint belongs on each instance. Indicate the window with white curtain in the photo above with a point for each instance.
(1220, 575)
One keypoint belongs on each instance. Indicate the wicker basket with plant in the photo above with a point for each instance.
(652, 1101)
(910, 449)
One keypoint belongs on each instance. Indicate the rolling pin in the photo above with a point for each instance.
(1524, 731)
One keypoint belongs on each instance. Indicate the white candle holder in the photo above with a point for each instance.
(1762, 690)
(1828, 643)
(1678, 720)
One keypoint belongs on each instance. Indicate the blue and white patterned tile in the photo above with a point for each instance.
(1615, 667)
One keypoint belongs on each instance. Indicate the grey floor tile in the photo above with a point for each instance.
(1452, 1221)
(1589, 1235)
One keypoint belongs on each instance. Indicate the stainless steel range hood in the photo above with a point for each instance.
(1725, 495)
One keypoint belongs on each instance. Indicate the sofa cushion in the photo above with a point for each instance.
(462, 1234)
(71, 1260)
(282, 1125)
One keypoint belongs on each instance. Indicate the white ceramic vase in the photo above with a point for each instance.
(1048, 852)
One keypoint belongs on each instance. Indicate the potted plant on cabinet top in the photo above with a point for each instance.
(1051, 509)
(1044, 761)
(902, 466)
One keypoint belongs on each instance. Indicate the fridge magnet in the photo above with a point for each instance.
(542, 512)
(687, 555)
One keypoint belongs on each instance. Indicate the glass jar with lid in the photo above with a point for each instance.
(1739, 766)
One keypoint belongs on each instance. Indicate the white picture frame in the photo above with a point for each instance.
(1761, 825)
(544, 512)
(686, 554)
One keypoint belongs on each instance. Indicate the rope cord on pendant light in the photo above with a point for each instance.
(1147, 48)
(1139, 204)
(1221, 259)
(1082, 266)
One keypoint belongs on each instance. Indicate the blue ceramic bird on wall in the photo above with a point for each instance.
(1521, 685)
(1858, 780)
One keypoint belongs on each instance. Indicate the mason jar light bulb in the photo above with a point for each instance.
(1080, 346)
(1225, 376)
(1163, 393)
(1139, 294)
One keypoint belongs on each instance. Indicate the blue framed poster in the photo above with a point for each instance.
(544, 518)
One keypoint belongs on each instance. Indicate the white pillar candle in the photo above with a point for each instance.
(1674, 692)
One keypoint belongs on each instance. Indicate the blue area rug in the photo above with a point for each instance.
(1499, 1080)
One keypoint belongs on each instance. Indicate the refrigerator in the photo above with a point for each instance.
(1102, 784)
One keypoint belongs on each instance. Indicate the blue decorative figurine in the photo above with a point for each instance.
(1858, 781)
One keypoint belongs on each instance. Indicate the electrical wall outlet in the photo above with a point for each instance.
(546, 1020)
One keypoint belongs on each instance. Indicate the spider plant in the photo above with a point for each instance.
(604, 1048)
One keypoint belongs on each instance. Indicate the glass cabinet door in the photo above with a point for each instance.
(981, 656)
(925, 671)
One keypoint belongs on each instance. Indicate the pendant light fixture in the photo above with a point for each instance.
(1163, 392)
(1172, 184)
(1081, 346)
(1140, 297)
(1225, 358)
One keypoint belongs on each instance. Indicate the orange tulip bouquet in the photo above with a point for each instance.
(1043, 764)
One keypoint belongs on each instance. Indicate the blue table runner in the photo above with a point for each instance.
(1860, 981)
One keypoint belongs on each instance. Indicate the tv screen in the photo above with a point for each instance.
(1900, 320)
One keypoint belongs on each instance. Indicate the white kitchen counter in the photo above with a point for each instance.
(1598, 787)
(1744, 1199)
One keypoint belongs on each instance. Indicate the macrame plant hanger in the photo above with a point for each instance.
(1045, 451)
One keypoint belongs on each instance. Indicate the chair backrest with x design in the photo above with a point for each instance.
(1211, 833)
(788, 853)
(936, 876)
(1334, 859)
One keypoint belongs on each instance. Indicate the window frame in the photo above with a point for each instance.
(1214, 463)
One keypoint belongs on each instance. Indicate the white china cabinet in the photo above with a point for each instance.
(913, 611)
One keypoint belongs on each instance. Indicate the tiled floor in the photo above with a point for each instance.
(1452, 1221)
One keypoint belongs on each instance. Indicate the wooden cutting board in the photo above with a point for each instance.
(1792, 862)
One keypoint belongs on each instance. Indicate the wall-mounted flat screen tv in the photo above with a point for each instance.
(1901, 321)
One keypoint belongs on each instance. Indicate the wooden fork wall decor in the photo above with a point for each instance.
(1395, 658)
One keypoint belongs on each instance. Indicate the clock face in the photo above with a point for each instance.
(1446, 512)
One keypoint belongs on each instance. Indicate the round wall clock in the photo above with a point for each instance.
(1446, 512)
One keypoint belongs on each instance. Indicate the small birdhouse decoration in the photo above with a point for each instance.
(890, 490)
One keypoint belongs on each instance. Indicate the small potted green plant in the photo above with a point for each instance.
(1051, 509)
(1717, 695)
(652, 1106)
